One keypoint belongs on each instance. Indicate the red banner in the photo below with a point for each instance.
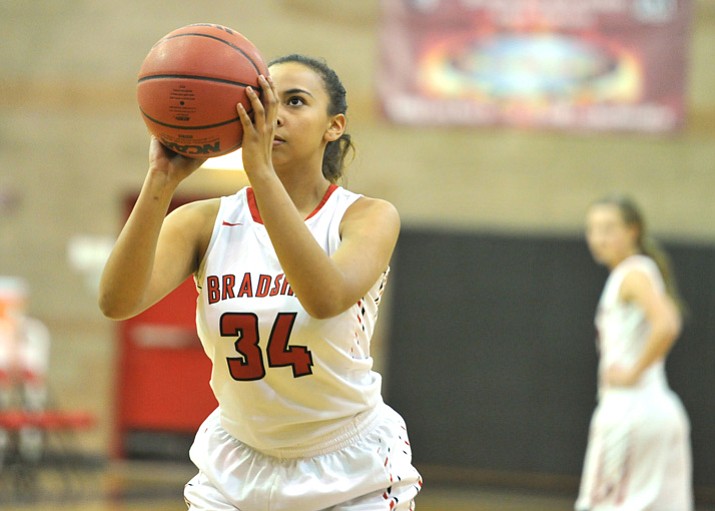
(563, 64)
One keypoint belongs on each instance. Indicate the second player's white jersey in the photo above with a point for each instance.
(638, 456)
(622, 327)
(283, 379)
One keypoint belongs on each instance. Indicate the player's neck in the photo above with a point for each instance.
(306, 194)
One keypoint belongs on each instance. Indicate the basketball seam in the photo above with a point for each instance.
(207, 126)
(233, 148)
(238, 49)
(192, 77)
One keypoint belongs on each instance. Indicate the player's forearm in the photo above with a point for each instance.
(128, 270)
(312, 274)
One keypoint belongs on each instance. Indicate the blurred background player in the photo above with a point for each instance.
(638, 456)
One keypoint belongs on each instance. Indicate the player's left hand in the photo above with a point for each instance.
(258, 132)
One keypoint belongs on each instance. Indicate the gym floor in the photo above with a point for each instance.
(157, 486)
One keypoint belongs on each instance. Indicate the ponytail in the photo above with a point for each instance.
(334, 157)
(651, 248)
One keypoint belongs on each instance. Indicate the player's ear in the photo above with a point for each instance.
(336, 127)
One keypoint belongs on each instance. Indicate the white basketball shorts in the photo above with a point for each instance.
(369, 469)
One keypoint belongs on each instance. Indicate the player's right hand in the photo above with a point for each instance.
(174, 166)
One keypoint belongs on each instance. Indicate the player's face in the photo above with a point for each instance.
(609, 239)
(303, 118)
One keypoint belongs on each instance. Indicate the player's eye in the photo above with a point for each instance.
(295, 101)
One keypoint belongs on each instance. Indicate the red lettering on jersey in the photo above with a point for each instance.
(212, 288)
(228, 282)
(246, 286)
(276, 284)
(225, 287)
(264, 284)
(286, 289)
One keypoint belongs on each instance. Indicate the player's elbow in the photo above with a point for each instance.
(323, 310)
(112, 308)
(673, 323)
(325, 304)
(672, 330)
(110, 311)
(668, 330)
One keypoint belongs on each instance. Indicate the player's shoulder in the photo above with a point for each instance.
(640, 265)
(201, 210)
(372, 207)
(640, 274)
(194, 221)
(369, 216)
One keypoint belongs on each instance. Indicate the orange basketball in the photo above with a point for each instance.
(189, 85)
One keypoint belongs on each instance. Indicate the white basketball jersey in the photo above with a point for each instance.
(622, 327)
(283, 379)
(638, 454)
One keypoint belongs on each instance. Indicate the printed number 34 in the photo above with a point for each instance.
(250, 366)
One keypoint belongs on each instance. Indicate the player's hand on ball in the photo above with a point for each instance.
(258, 132)
(174, 166)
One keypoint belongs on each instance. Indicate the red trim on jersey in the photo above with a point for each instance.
(327, 195)
(256, 215)
(252, 206)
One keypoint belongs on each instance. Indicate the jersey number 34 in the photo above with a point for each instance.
(243, 326)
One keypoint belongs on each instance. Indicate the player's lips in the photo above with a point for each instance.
(278, 140)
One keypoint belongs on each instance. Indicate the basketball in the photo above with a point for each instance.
(189, 85)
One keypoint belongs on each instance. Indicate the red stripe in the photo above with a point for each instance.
(256, 215)
(252, 206)
(327, 195)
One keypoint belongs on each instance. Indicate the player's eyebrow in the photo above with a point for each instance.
(297, 91)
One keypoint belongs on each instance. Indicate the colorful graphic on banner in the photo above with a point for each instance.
(586, 64)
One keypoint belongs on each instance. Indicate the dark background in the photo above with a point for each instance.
(491, 352)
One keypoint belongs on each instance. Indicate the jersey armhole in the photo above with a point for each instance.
(200, 271)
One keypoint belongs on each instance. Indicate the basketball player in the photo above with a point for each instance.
(638, 456)
(290, 272)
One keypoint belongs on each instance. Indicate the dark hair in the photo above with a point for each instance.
(337, 150)
(632, 216)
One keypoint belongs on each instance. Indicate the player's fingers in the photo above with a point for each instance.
(259, 114)
(270, 99)
(246, 122)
